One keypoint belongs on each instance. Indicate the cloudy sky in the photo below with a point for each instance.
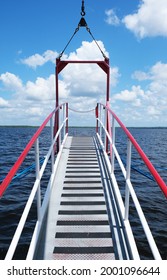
(133, 34)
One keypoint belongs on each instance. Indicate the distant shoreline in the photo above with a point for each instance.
(36, 126)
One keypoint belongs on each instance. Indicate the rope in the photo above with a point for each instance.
(25, 171)
(147, 175)
(143, 173)
(82, 112)
(28, 170)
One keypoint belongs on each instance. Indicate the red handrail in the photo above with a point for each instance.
(145, 159)
(23, 155)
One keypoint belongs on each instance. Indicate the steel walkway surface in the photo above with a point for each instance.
(77, 223)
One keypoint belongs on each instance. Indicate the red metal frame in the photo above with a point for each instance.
(61, 64)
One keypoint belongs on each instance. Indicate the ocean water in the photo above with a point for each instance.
(152, 140)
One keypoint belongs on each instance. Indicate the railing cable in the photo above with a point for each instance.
(82, 112)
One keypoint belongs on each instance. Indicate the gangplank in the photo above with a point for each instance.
(83, 214)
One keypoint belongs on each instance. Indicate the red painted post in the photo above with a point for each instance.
(107, 102)
(56, 125)
(108, 82)
(97, 115)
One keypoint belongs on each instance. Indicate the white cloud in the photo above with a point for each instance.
(114, 75)
(87, 79)
(64, 90)
(79, 84)
(82, 85)
(112, 18)
(157, 75)
(150, 20)
(150, 99)
(140, 76)
(39, 60)
(88, 50)
(11, 81)
(30, 102)
(133, 96)
(41, 89)
(153, 111)
(3, 103)
(34, 111)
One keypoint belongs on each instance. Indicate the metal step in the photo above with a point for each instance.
(82, 230)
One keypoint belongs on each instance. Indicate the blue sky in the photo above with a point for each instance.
(132, 33)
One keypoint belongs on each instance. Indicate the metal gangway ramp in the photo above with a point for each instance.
(77, 223)
(81, 213)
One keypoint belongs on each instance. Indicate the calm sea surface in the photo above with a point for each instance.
(152, 140)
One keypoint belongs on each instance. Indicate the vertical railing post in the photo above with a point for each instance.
(109, 131)
(113, 144)
(57, 104)
(97, 116)
(106, 126)
(107, 101)
(128, 171)
(52, 138)
(64, 116)
(37, 165)
(67, 117)
(60, 136)
(100, 117)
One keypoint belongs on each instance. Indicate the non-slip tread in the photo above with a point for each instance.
(83, 235)
(83, 230)
(83, 250)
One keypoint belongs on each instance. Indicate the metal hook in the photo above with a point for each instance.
(83, 9)
(83, 14)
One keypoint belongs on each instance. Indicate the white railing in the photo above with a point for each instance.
(60, 136)
(106, 120)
